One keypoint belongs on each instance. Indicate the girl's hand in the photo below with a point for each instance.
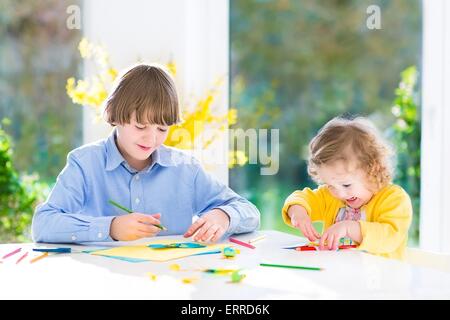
(211, 226)
(301, 220)
(333, 235)
(134, 226)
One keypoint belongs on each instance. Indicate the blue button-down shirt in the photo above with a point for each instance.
(175, 185)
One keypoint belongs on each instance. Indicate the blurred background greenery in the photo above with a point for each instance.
(297, 64)
(37, 54)
(294, 65)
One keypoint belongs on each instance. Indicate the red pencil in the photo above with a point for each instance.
(11, 253)
(22, 257)
(349, 246)
(306, 248)
(242, 243)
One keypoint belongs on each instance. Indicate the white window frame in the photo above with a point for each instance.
(435, 148)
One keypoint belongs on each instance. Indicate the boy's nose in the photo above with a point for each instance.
(150, 138)
(150, 142)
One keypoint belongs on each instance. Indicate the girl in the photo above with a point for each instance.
(356, 198)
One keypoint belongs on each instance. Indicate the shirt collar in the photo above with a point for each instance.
(161, 156)
(113, 156)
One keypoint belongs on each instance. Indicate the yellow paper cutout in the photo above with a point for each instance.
(146, 253)
(189, 280)
(152, 276)
(175, 267)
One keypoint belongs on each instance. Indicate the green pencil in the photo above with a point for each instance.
(129, 211)
(290, 267)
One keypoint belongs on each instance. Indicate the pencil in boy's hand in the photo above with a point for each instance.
(129, 211)
(120, 207)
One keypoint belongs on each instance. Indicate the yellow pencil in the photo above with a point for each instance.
(257, 239)
(39, 257)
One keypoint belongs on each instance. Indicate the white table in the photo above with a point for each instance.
(348, 274)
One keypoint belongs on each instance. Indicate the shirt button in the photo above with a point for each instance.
(137, 177)
(74, 238)
(99, 235)
(137, 200)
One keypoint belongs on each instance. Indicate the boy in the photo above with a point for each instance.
(160, 185)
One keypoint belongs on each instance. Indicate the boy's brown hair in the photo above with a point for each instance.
(148, 90)
(349, 140)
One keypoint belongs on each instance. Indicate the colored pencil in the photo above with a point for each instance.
(219, 271)
(11, 253)
(242, 243)
(306, 248)
(348, 246)
(288, 266)
(22, 257)
(257, 239)
(129, 211)
(39, 257)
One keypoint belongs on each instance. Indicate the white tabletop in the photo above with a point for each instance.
(348, 274)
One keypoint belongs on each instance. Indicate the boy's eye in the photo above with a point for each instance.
(162, 129)
(140, 128)
(346, 185)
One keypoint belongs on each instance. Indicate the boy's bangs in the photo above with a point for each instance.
(158, 113)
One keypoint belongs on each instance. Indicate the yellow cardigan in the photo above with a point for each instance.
(388, 217)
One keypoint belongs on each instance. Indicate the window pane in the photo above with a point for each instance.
(36, 57)
(297, 64)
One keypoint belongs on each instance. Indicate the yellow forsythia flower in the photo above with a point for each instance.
(201, 126)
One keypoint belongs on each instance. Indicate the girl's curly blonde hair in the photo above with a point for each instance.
(349, 140)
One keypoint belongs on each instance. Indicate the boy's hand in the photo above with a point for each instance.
(134, 226)
(301, 220)
(333, 235)
(211, 225)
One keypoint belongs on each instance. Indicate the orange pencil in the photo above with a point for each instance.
(39, 257)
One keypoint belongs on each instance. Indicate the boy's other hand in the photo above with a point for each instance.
(209, 227)
(134, 226)
(301, 220)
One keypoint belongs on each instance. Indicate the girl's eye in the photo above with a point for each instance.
(346, 185)
(140, 128)
(162, 129)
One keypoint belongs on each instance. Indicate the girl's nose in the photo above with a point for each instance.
(343, 195)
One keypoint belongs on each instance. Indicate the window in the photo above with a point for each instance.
(297, 64)
(37, 56)
(435, 219)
